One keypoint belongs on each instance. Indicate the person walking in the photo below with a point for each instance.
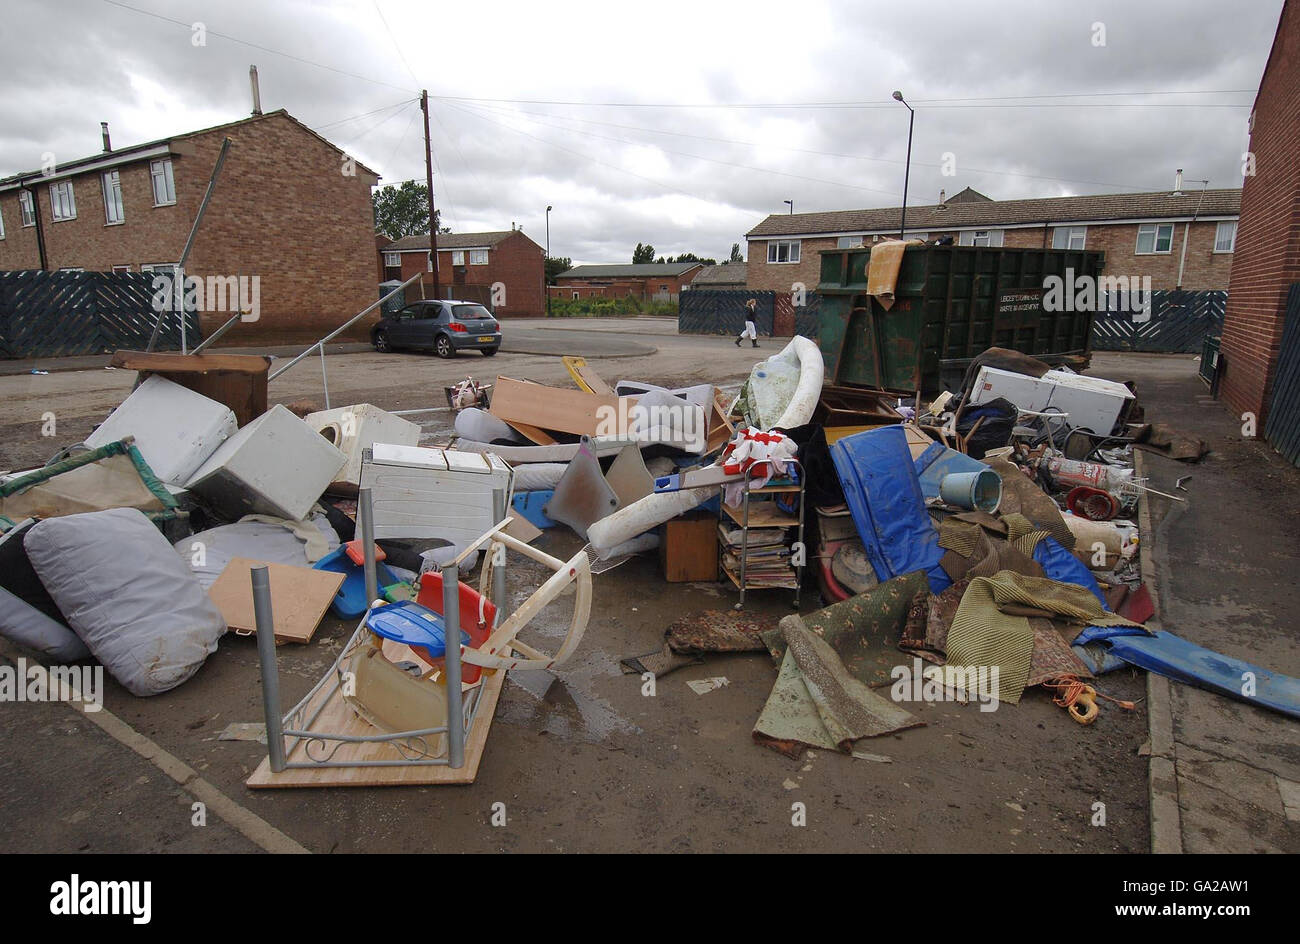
(750, 331)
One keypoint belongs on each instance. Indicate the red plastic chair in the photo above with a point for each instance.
(473, 621)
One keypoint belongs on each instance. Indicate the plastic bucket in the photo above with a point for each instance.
(974, 491)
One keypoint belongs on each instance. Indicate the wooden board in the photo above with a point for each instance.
(338, 718)
(586, 377)
(236, 380)
(299, 598)
(553, 408)
(538, 437)
(688, 550)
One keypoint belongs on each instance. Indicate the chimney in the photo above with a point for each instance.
(943, 198)
(1178, 182)
(257, 92)
(103, 132)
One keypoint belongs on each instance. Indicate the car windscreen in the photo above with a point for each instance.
(470, 313)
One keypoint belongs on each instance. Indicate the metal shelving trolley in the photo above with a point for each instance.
(761, 545)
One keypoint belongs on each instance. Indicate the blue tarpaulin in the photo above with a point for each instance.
(1176, 658)
(884, 496)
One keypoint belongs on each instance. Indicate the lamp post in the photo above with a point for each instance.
(907, 168)
(790, 204)
(546, 283)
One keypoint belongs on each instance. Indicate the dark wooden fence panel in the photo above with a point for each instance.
(1282, 428)
(705, 311)
(1178, 323)
(60, 314)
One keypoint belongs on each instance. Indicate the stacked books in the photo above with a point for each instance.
(767, 556)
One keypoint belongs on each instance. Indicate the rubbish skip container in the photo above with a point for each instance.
(951, 304)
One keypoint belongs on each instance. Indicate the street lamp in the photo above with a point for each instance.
(546, 282)
(907, 169)
(789, 203)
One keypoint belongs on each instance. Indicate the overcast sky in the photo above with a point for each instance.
(681, 125)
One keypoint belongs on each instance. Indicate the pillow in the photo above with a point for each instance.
(128, 595)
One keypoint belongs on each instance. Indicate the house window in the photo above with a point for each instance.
(458, 257)
(576, 296)
(1154, 238)
(1069, 237)
(663, 288)
(2, 226)
(164, 187)
(980, 237)
(781, 251)
(848, 242)
(478, 257)
(63, 205)
(113, 212)
(393, 260)
(121, 268)
(1225, 236)
(28, 207)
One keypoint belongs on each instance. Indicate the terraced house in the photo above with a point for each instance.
(289, 208)
(1180, 239)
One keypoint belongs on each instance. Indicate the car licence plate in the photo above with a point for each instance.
(485, 338)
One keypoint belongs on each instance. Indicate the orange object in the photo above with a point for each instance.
(477, 617)
(1080, 699)
(357, 556)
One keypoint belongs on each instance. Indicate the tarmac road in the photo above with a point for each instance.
(582, 760)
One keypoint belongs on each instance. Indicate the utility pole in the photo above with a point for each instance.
(428, 174)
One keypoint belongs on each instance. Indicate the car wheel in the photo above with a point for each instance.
(380, 341)
(489, 351)
(442, 347)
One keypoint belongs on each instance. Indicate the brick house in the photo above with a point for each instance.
(289, 208)
(469, 264)
(1142, 234)
(1268, 251)
(653, 281)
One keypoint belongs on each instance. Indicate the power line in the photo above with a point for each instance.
(343, 121)
(889, 103)
(856, 157)
(400, 55)
(714, 160)
(252, 45)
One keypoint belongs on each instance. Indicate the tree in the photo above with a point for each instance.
(403, 210)
(735, 253)
(690, 257)
(555, 265)
(643, 254)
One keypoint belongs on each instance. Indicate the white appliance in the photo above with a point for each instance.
(276, 465)
(1090, 402)
(175, 429)
(424, 492)
(355, 428)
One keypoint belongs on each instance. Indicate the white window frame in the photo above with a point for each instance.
(1153, 230)
(1071, 233)
(392, 260)
(2, 224)
(984, 238)
(66, 198)
(458, 257)
(161, 171)
(111, 182)
(27, 208)
(121, 268)
(1232, 236)
(478, 257)
(576, 295)
(791, 250)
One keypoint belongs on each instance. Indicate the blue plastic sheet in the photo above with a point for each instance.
(883, 492)
(1183, 661)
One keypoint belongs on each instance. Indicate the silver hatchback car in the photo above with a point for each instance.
(442, 326)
